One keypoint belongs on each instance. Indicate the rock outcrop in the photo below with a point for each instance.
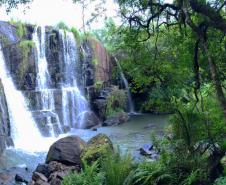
(5, 138)
(65, 156)
(89, 119)
(96, 63)
(66, 151)
(116, 119)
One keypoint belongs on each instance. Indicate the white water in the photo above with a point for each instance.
(130, 101)
(43, 79)
(24, 131)
(74, 103)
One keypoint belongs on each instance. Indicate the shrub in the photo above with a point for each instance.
(20, 28)
(76, 34)
(116, 102)
(220, 181)
(62, 25)
(88, 176)
(116, 168)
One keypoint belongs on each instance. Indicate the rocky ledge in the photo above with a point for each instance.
(66, 156)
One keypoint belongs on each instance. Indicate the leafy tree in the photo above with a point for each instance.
(13, 3)
(202, 17)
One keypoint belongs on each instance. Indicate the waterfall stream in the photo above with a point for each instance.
(24, 130)
(130, 101)
(74, 103)
(44, 80)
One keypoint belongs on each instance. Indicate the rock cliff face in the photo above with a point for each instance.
(94, 67)
(97, 63)
(19, 55)
(4, 121)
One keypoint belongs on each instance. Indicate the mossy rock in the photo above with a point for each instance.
(97, 147)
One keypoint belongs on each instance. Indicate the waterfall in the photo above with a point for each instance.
(130, 101)
(44, 80)
(74, 104)
(23, 128)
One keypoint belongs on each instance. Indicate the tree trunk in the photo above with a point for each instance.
(214, 75)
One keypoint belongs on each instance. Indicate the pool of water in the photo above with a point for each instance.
(128, 137)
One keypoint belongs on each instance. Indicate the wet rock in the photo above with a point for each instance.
(4, 122)
(44, 169)
(56, 166)
(15, 175)
(150, 126)
(19, 178)
(7, 178)
(47, 121)
(89, 120)
(117, 119)
(99, 106)
(66, 129)
(41, 183)
(146, 150)
(66, 151)
(94, 129)
(97, 147)
(39, 177)
(55, 181)
(53, 173)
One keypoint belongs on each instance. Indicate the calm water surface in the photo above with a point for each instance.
(129, 137)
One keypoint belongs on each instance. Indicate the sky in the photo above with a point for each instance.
(51, 12)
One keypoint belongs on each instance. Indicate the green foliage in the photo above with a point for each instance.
(98, 148)
(95, 62)
(25, 47)
(63, 26)
(202, 120)
(220, 181)
(88, 176)
(76, 34)
(116, 102)
(98, 84)
(116, 168)
(10, 4)
(20, 28)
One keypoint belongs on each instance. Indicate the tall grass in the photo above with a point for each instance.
(116, 168)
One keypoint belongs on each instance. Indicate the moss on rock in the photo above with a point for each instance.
(97, 147)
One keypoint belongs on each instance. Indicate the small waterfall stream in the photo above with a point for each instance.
(130, 101)
(24, 130)
(44, 80)
(74, 103)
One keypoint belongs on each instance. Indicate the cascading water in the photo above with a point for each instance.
(44, 80)
(23, 127)
(74, 103)
(130, 101)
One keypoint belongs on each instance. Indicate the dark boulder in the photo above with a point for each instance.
(89, 120)
(117, 119)
(146, 149)
(66, 151)
(20, 178)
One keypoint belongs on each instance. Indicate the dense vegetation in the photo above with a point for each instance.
(174, 57)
